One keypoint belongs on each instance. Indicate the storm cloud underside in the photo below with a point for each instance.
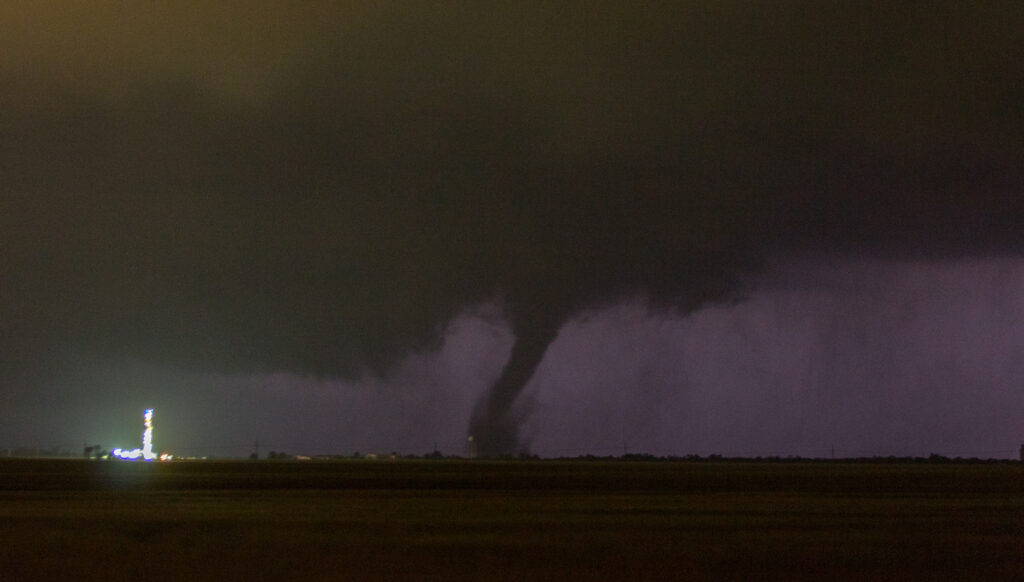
(320, 191)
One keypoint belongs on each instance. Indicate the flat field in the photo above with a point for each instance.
(514, 520)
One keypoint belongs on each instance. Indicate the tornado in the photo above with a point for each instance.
(495, 422)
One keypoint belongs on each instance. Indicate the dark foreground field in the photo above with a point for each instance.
(546, 520)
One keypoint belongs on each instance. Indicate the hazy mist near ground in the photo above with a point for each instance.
(873, 357)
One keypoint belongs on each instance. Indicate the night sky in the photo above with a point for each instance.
(574, 227)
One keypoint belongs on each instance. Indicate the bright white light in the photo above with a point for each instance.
(146, 452)
(147, 436)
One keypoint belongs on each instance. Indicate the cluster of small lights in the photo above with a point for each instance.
(146, 452)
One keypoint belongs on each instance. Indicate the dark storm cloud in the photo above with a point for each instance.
(322, 190)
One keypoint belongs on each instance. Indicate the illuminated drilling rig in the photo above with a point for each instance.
(146, 452)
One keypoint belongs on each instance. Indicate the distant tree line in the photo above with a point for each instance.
(933, 458)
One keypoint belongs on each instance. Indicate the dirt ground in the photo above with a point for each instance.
(515, 520)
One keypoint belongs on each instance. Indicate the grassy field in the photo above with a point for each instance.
(543, 520)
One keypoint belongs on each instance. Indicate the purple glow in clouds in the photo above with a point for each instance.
(873, 357)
